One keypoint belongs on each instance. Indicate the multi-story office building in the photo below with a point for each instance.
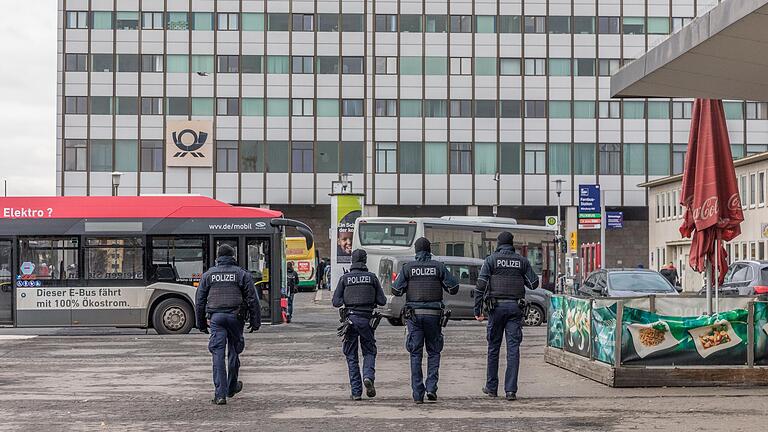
(436, 107)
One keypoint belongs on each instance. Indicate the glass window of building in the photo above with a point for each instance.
(559, 67)
(202, 21)
(607, 67)
(386, 23)
(278, 107)
(252, 156)
(75, 154)
(435, 158)
(485, 66)
(385, 108)
(509, 66)
(204, 63)
(410, 23)
(127, 105)
(351, 65)
(252, 21)
(485, 24)
(658, 25)
(386, 65)
(510, 109)
(101, 105)
(410, 157)
(327, 64)
(535, 109)
(77, 19)
(101, 155)
(228, 64)
(253, 64)
(303, 22)
(278, 21)
(734, 110)
(658, 109)
(461, 108)
(559, 109)
(177, 21)
(281, 64)
(609, 109)
(536, 66)
(386, 157)
(559, 24)
(277, 156)
(302, 64)
(509, 24)
(559, 158)
(678, 158)
(610, 159)
(608, 25)
(461, 158)
(535, 24)
(410, 107)
(584, 109)
(102, 63)
(151, 106)
(351, 22)
(461, 23)
(584, 66)
(177, 106)
(127, 20)
(302, 157)
(327, 107)
(753, 149)
(737, 151)
(435, 108)
(327, 156)
(633, 109)
(228, 21)
(757, 110)
(535, 158)
(76, 62)
(102, 20)
(302, 107)
(203, 106)
(509, 158)
(584, 158)
(634, 159)
(252, 107)
(126, 155)
(327, 22)
(228, 106)
(485, 108)
(76, 105)
(152, 62)
(461, 65)
(352, 107)
(658, 159)
(151, 157)
(352, 156)
(584, 25)
(634, 25)
(679, 22)
(152, 20)
(436, 23)
(410, 65)
(435, 66)
(681, 110)
(177, 63)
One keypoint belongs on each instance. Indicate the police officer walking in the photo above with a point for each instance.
(423, 281)
(226, 297)
(501, 286)
(359, 292)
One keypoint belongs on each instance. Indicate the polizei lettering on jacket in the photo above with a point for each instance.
(358, 280)
(223, 277)
(424, 271)
(508, 263)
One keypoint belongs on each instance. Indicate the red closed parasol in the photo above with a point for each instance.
(710, 191)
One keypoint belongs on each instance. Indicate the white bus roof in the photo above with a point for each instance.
(486, 222)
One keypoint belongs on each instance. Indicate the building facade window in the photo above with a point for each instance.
(535, 24)
(461, 108)
(461, 23)
(303, 22)
(77, 20)
(228, 21)
(152, 20)
(608, 25)
(535, 158)
(303, 107)
(535, 109)
(327, 22)
(461, 158)
(352, 107)
(76, 63)
(302, 159)
(228, 64)
(278, 22)
(559, 24)
(152, 63)
(151, 157)
(126, 20)
(385, 23)
(228, 106)
(386, 157)
(75, 155)
(461, 65)
(536, 66)
(436, 23)
(410, 23)
(510, 24)
(76, 105)
(151, 106)
(351, 65)
(610, 159)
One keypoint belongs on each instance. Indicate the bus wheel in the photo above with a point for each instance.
(173, 316)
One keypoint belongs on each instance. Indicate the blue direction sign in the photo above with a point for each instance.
(614, 220)
(589, 199)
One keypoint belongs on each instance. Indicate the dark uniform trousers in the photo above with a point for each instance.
(424, 330)
(506, 318)
(226, 341)
(360, 332)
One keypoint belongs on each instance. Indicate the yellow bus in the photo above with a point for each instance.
(304, 261)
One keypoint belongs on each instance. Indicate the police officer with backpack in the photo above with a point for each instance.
(359, 292)
(423, 281)
(500, 293)
(226, 297)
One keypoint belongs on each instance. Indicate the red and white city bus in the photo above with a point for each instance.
(129, 261)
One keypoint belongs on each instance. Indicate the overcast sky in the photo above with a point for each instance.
(28, 97)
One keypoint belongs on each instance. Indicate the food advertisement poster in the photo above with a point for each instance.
(577, 327)
(604, 329)
(659, 340)
(761, 333)
(555, 322)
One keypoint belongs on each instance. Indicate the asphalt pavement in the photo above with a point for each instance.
(296, 379)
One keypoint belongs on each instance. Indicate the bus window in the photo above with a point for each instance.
(465, 274)
(114, 258)
(381, 234)
(232, 242)
(49, 260)
(386, 275)
(455, 242)
(6, 290)
(185, 255)
(257, 262)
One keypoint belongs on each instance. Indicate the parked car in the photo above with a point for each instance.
(625, 283)
(746, 278)
(463, 303)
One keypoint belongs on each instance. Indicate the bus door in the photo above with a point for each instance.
(6, 283)
(257, 261)
(232, 241)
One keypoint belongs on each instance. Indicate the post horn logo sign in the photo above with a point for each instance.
(189, 143)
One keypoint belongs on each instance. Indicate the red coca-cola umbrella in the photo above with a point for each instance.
(710, 191)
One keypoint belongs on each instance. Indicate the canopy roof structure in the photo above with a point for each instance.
(722, 54)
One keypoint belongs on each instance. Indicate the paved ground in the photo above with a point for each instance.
(295, 379)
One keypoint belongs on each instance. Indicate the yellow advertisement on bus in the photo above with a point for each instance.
(303, 260)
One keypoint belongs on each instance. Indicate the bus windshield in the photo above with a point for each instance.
(387, 234)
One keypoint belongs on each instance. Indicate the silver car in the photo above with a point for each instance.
(462, 304)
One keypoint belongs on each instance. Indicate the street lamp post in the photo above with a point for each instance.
(559, 191)
(116, 182)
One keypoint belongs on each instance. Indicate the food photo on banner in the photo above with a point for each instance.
(349, 209)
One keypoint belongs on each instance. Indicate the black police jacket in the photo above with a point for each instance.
(226, 287)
